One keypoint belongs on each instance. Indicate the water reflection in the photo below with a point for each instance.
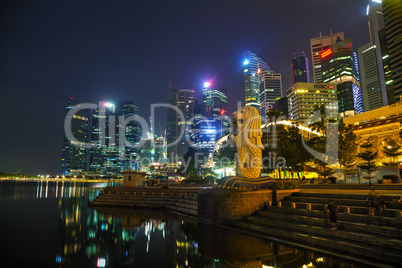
(115, 237)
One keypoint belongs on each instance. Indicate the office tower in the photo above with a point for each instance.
(389, 85)
(74, 154)
(110, 154)
(375, 24)
(199, 111)
(215, 99)
(318, 45)
(270, 91)
(251, 64)
(303, 98)
(132, 135)
(282, 106)
(300, 68)
(177, 126)
(338, 68)
(393, 28)
(370, 79)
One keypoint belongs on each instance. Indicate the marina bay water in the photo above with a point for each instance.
(50, 224)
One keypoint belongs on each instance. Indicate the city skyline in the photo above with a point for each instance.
(49, 61)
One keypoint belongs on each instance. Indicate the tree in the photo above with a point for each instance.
(348, 146)
(392, 149)
(225, 156)
(290, 147)
(368, 156)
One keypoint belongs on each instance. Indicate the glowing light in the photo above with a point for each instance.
(326, 53)
(368, 8)
(207, 84)
(222, 112)
(246, 62)
(101, 262)
(258, 71)
(377, 1)
(108, 104)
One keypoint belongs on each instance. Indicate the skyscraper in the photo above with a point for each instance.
(370, 79)
(183, 100)
(215, 99)
(300, 68)
(393, 28)
(74, 154)
(110, 155)
(318, 45)
(251, 64)
(372, 69)
(270, 91)
(339, 68)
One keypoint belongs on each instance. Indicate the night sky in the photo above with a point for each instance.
(133, 50)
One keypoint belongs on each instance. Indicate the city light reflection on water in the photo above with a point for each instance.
(51, 223)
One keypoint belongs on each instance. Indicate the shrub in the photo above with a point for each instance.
(286, 185)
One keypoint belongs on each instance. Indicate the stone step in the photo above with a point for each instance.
(325, 231)
(387, 212)
(182, 210)
(385, 231)
(362, 249)
(127, 203)
(340, 216)
(344, 195)
(188, 201)
(337, 201)
(182, 205)
(394, 186)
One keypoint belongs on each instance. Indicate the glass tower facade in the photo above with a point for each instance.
(270, 92)
(74, 155)
(252, 65)
(338, 68)
(300, 68)
(182, 99)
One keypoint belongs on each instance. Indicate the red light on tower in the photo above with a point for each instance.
(326, 53)
(222, 112)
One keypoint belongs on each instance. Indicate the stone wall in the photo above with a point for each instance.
(279, 195)
(217, 206)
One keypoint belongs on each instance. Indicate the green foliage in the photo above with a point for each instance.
(226, 156)
(286, 185)
(347, 141)
(368, 155)
(392, 149)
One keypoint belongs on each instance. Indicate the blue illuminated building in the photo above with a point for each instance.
(300, 68)
(252, 66)
(203, 136)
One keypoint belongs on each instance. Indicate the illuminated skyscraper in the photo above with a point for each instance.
(339, 68)
(300, 68)
(177, 127)
(270, 92)
(393, 28)
(215, 99)
(251, 64)
(74, 154)
(109, 156)
(372, 74)
(318, 45)
(370, 78)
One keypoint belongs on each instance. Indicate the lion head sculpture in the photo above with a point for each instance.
(247, 139)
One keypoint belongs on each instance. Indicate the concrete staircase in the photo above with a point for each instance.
(301, 218)
(180, 200)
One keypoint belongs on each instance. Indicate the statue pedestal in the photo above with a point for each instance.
(216, 206)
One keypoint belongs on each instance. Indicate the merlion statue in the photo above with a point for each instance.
(246, 137)
(247, 140)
